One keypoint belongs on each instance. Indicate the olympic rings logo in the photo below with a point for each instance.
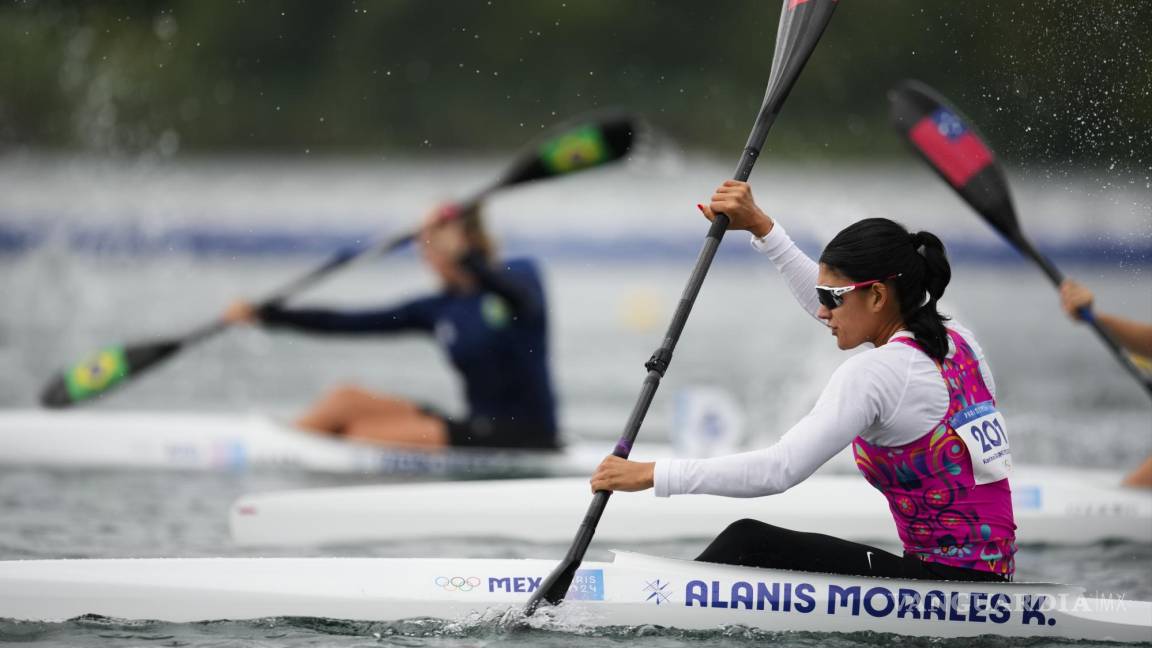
(457, 583)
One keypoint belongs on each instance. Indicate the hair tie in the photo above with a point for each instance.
(918, 242)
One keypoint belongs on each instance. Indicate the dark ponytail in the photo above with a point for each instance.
(925, 322)
(875, 248)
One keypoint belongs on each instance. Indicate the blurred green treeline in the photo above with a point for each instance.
(1056, 82)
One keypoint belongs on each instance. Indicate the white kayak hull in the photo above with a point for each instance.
(1052, 505)
(633, 590)
(234, 442)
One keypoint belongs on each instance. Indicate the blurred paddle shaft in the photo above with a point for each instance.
(385, 246)
(571, 148)
(585, 144)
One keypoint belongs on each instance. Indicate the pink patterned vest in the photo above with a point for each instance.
(941, 514)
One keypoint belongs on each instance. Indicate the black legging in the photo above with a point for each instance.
(752, 543)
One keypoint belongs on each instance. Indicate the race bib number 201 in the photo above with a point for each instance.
(982, 428)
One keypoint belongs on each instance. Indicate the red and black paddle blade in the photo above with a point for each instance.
(944, 138)
(947, 141)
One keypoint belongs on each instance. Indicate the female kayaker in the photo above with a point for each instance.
(490, 318)
(918, 409)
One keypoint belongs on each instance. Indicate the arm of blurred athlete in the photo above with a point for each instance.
(412, 316)
(1130, 334)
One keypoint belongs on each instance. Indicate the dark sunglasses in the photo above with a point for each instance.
(832, 297)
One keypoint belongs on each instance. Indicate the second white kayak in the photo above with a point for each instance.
(1052, 506)
(84, 439)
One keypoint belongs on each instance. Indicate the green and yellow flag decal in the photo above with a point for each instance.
(495, 312)
(97, 373)
(578, 149)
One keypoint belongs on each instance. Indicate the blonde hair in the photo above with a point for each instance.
(476, 234)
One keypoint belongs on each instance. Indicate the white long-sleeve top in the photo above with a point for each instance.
(891, 395)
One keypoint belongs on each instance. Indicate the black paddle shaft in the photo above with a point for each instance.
(556, 585)
(801, 25)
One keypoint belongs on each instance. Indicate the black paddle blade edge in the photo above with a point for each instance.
(103, 372)
(554, 589)
(802, 23)
(579, 145)
(55, 394)
(556, 585)
(945, 139)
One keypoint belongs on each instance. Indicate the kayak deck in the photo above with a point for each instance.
(633, 590)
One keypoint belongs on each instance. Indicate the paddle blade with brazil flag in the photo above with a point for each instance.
(103, 371)
(584, 145)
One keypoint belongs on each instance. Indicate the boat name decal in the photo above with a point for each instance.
(587, 584)
(878, 601)
(778, 597)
